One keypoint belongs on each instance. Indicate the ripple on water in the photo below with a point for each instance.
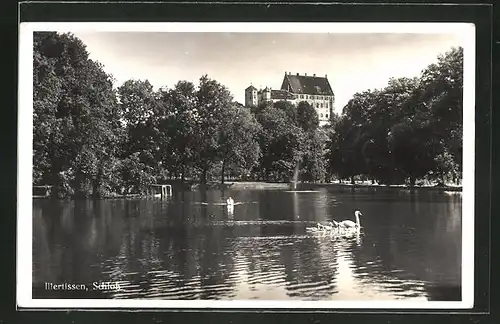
(307, 290)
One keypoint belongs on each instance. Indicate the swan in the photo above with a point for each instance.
(349, 224)
(230, 205)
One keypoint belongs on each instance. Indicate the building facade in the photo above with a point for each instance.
(296, 88)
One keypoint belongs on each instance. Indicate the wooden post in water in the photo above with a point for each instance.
(166, 190)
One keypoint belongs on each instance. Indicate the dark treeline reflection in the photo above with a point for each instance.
(192, 247)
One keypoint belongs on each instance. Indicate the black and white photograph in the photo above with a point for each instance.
(246, 165)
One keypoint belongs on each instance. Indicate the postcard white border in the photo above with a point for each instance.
(25, 163)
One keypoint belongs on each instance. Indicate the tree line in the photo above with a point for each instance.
(94, 139)
(410, 130)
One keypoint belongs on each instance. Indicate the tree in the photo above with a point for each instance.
(344, 153)
(442, 95)
(137, 176)
(445, 167)
(307, 116)
(212, 98)
(140, 110)
(289, 108)
(263, 105)
(75, 115)
(238, 141)
(177, 128)
(413, 147)
(313, 162)
(281, 144)
(406, 130)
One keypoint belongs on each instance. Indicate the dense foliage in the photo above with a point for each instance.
(91, 139)
(411, 129)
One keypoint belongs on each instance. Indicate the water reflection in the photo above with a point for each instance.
(192, 247)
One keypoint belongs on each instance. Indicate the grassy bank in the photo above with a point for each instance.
(274, 185)
(365, 185)
(255, 185)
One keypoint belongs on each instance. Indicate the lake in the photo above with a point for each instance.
(190, 247)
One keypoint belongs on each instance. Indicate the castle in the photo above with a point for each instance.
(296, 88)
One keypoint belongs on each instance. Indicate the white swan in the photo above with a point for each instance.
(230, 205)
(345, 228)
(349, 224)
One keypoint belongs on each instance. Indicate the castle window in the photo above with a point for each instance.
(321, 115)
(317, 106)
(321, 105)
(326, 115)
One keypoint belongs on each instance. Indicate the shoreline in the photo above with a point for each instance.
(400, 187)
(304, 185)
(254, 185)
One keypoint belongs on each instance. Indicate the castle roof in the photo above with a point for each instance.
(281, 95)
(251, 87)
(303, 84)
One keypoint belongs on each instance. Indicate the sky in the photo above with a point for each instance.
(352, 62)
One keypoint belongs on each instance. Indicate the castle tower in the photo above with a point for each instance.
(266, 94)
(251, 96)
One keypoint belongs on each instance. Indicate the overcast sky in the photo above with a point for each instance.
(353, 62)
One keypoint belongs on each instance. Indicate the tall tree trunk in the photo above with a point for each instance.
(204, 175)
(96, 184)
